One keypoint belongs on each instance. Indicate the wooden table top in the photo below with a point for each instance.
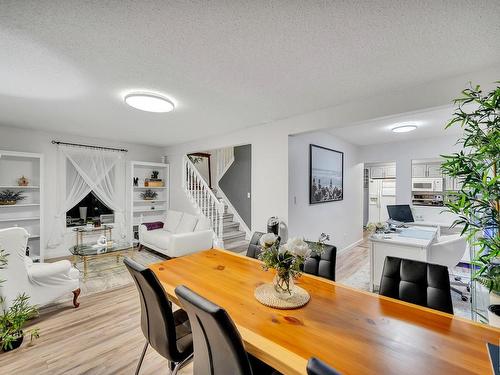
(356, 332)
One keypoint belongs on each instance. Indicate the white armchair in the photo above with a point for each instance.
(42, 282)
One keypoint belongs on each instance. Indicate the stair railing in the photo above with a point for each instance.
(224, 157)
(202, 197)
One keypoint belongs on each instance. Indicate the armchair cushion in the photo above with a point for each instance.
(187, 223)
(172, 221)
(158, 238)
(40, 271)
(154, 225)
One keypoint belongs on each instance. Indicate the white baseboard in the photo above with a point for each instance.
(351, 246)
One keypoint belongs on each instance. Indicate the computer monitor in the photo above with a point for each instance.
(400, 212)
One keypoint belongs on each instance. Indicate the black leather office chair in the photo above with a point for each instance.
(169, 333)
(421, 283)
(316, 366)
(254, 249)
(322, 265)
(217, 343)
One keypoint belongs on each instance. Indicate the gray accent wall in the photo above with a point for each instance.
(237, 183)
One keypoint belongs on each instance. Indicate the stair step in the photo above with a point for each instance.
(233, 235)
(237, 246)
(230, 225)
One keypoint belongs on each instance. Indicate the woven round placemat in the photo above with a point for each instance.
(265, 295)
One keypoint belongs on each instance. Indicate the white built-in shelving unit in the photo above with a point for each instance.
(28, 213)
(148, 210)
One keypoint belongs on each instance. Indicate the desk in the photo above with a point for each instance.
(354, 331)
(411, 243)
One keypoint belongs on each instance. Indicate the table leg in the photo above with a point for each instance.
(85, 268)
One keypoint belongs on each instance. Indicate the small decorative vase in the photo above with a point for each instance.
(284, 287)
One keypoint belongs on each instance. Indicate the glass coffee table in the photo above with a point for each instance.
(90, 252)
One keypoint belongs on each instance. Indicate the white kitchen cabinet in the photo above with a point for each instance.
(434, 170)
(390, 171)
(419, 170)
(377, 172)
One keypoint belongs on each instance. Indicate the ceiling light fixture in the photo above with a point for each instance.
(404, 128)
(149, 102)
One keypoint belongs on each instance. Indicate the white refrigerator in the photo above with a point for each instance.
(381, 192)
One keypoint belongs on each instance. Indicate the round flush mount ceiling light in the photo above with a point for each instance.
(149, 102)
(404, 128)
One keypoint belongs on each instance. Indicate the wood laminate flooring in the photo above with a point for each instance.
(103, 335)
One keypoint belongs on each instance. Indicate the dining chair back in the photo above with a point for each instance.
(316, 366)
(254, 249)
(167, 332)
(323, 264)
(218, 345)
(421, 283)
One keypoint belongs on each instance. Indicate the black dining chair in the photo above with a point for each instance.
(316, 366)
(421, 283)
(323, 264)
(254, 249)
(218, 347)
(169, 333)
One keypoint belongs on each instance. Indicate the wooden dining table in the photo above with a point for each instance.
(354, 331)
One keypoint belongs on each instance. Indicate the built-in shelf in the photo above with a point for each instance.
(155, 210)
(19, 205)
(149, 202)
(20, 187)
(20, 219)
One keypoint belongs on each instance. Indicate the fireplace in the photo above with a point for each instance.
(89, 209)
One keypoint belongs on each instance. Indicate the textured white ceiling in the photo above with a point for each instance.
(430, 123)
(229, 64)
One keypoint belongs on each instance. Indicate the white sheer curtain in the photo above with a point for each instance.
(89, 170)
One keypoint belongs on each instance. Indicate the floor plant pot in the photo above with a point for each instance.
(494, 315)
(16, 343)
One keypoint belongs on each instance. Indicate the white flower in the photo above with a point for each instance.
(298, 247)
(268, 239)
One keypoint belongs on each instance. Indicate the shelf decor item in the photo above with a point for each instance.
(149, 195)
(9, 197)
(477, 166)
(23, 181)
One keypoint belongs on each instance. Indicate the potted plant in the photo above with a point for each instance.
(9, 197)
(373, 228)
(149, 195)
(477, 166)
(13, 319)
(287, 260)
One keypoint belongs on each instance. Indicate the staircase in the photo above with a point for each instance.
(227, 233)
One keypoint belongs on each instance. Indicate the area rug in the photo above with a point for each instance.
(107, 273)
(361, 280)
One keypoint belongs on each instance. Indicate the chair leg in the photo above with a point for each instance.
(181, 364)
(76, 293)
(140, 247)
(142, 358)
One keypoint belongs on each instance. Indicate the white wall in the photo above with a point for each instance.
(270, 141)
(342, 220)
(17, 139)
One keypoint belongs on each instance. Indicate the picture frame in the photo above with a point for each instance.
(326, 175)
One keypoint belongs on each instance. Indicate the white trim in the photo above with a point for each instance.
(351, 246)
(230, 207)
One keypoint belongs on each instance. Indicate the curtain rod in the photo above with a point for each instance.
(89, 146)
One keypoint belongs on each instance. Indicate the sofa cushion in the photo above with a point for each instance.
(158, 238)
(202, 224)
(172, 221)
(187, 224)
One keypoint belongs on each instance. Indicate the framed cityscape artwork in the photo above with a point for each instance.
(326, 175)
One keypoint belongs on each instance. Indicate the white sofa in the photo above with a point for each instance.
(42, 282)
(182, 234)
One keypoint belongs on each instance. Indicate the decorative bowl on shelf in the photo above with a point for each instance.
(8, 203)
(9, 197)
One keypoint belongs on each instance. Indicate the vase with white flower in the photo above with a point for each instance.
(286, 259)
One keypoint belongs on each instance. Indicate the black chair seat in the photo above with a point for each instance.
(421, 283)
(254, 249)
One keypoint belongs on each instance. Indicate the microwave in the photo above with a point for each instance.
(427, 184)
